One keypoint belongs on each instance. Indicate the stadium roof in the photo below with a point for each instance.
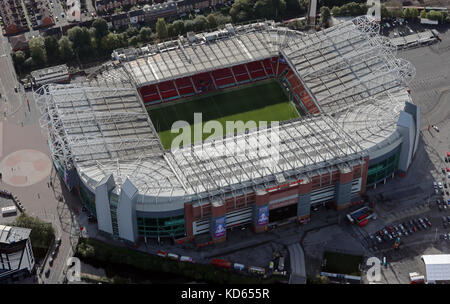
(352, 74)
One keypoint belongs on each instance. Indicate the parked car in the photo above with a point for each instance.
(379, 239)
(47, 273)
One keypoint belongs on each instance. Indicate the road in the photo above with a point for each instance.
(297, 260)
(10, 100)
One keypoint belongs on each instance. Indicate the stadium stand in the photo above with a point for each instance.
(227, 77)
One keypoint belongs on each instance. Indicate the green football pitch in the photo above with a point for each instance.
(262, 101)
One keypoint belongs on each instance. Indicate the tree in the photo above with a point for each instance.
(19, 58)
(325, 15)
(189, 25)
(132, 31)
(385, 12)
(110, 42)
(267, 8)
(242, 10)
(161, 28)
(336, 11)
(212, 21)
(200, 23)
(41, 234)
(133, 41)
(145, 34)
(423, 14)
(434, 15)
(178, 27)
(65, 48)
(37, 50)
(52, 48)
(101, 27)
(82, 43)
(171, 30)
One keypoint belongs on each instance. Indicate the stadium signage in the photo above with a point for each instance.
(263, 216)
(291, 184)
(219, 227)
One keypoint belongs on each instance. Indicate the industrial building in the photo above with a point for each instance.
(359, 127)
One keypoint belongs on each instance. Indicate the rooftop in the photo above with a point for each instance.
(102, 127)
(9, 235)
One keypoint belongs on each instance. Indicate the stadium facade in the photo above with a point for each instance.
(359, 127)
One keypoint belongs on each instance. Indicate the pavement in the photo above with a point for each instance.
(25, 163)
(298, 269)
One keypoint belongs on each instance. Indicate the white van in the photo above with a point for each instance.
(173, 256)
(184, 258)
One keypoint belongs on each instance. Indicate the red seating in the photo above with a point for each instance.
(149, 93)
(268, 66)
(203, 82)
(184, 86)
(256, 69)
(167, 89)
(223, 77)
(240, 72)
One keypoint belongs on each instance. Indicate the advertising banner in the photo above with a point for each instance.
(219, 227)
(263, 216)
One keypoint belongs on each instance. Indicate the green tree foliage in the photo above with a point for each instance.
(42, 233)
(101, 27)
(110, 42)
(161, 28)
(19, 58)
(132, 31)
(189, 25)
(65, 48)
(212, 21)
(171, 30)
(325, 15)
(82, 43)
(52, 48)
(133, 41)
(410, 13)
(385, 12)
(336, 11)
(242, 10)
(434, 15)
(296, 7)
(423, 14)
(200, 23)
(37, 51)
(350, 9)
(269, 8)
(145, 34)
(178, 27)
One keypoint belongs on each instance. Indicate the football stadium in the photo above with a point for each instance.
(340, 97)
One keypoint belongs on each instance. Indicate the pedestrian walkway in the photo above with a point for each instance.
(298, 269)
